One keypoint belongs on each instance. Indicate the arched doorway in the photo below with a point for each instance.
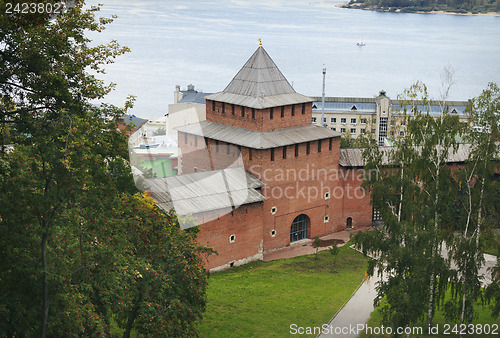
(348, 223)
(300, 228)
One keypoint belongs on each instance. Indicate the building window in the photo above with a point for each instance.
(213, 105)
(308, 148)
(253, 113)
(185, 138)
(217, 146)
(324, 119)
(334, 129)
(228, 148)
(273, 233)
(363, 121)
(272, 154)
(303, 108)
(327, 195)
(343, 120)
(326, 219)
(313, 120)
(401, 133)
(330, 143)
(195, 140)
(232, 238)
(299, 228)
(293, 110)
(382, 131)
(333, 120)
(319, 146)
(274, 210)
(353, 130)
(363, 131)
(374, 121)
(242, 111)
(223, 108)
(373, 131)
(249, 154)
(271, 113)
(342, 130)
(232, 109)
(284, 152)
(353, 121)
(296, 150)
(282, 111)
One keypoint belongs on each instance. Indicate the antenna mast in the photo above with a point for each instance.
(323, 99)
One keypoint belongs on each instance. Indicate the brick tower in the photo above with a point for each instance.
(260, 119)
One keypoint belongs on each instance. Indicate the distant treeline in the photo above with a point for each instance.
(455, 6)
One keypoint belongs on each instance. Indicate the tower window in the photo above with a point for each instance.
(308, 148)
(253, 113)
(330, 141)
(284, 152)
(217, 146)
(232, 109)
(213, 105)
(271, 113)
(185, 138)
(293, 110)
(242, 111)
(272, 154)
(319, 146)
(303, 108)
(296, 150)
(223, 108)
(228, 148)
(282, 111)
(232, 238)
(195, 140)
(249, 154)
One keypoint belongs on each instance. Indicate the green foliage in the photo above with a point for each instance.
(79, 248)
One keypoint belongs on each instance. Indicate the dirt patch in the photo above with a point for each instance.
(330, 242)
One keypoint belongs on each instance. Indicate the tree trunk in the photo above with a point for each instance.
(45, 287)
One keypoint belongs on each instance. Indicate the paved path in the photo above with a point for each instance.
(349, 320)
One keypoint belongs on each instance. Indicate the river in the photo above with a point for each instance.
(205, 43)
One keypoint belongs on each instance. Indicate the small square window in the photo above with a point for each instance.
(327, 195)
(232, 238)
(353, 130)
(363, 131)
(333, 120)
(326, 219)
(353, 121)
(313, 120)
(363, 121)
(342, 130)
(274, 210)
(343, 120)
(273, 233)
(334, 129)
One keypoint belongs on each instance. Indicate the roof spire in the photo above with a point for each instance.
(260, 42)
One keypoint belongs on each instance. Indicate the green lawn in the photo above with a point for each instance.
(483, 317)
(263, 299)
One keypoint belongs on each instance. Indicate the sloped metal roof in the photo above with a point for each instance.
(205, 191)
(259, 84)
(353, 157)
(258, 139)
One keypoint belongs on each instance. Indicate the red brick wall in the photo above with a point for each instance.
(356, 201)
(245, 223)
(262, 117)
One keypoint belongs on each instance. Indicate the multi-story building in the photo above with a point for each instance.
(378, 116)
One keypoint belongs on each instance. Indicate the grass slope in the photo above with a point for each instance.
(263, 299)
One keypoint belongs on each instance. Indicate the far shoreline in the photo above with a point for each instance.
(384, 10)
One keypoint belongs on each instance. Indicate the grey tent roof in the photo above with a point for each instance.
(259, 84)
(258, 139)
(205, 191)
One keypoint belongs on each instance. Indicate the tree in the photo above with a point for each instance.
(413, 192)
(478, 197)
(70, 222)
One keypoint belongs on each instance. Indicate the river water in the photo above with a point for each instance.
(205, 43)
